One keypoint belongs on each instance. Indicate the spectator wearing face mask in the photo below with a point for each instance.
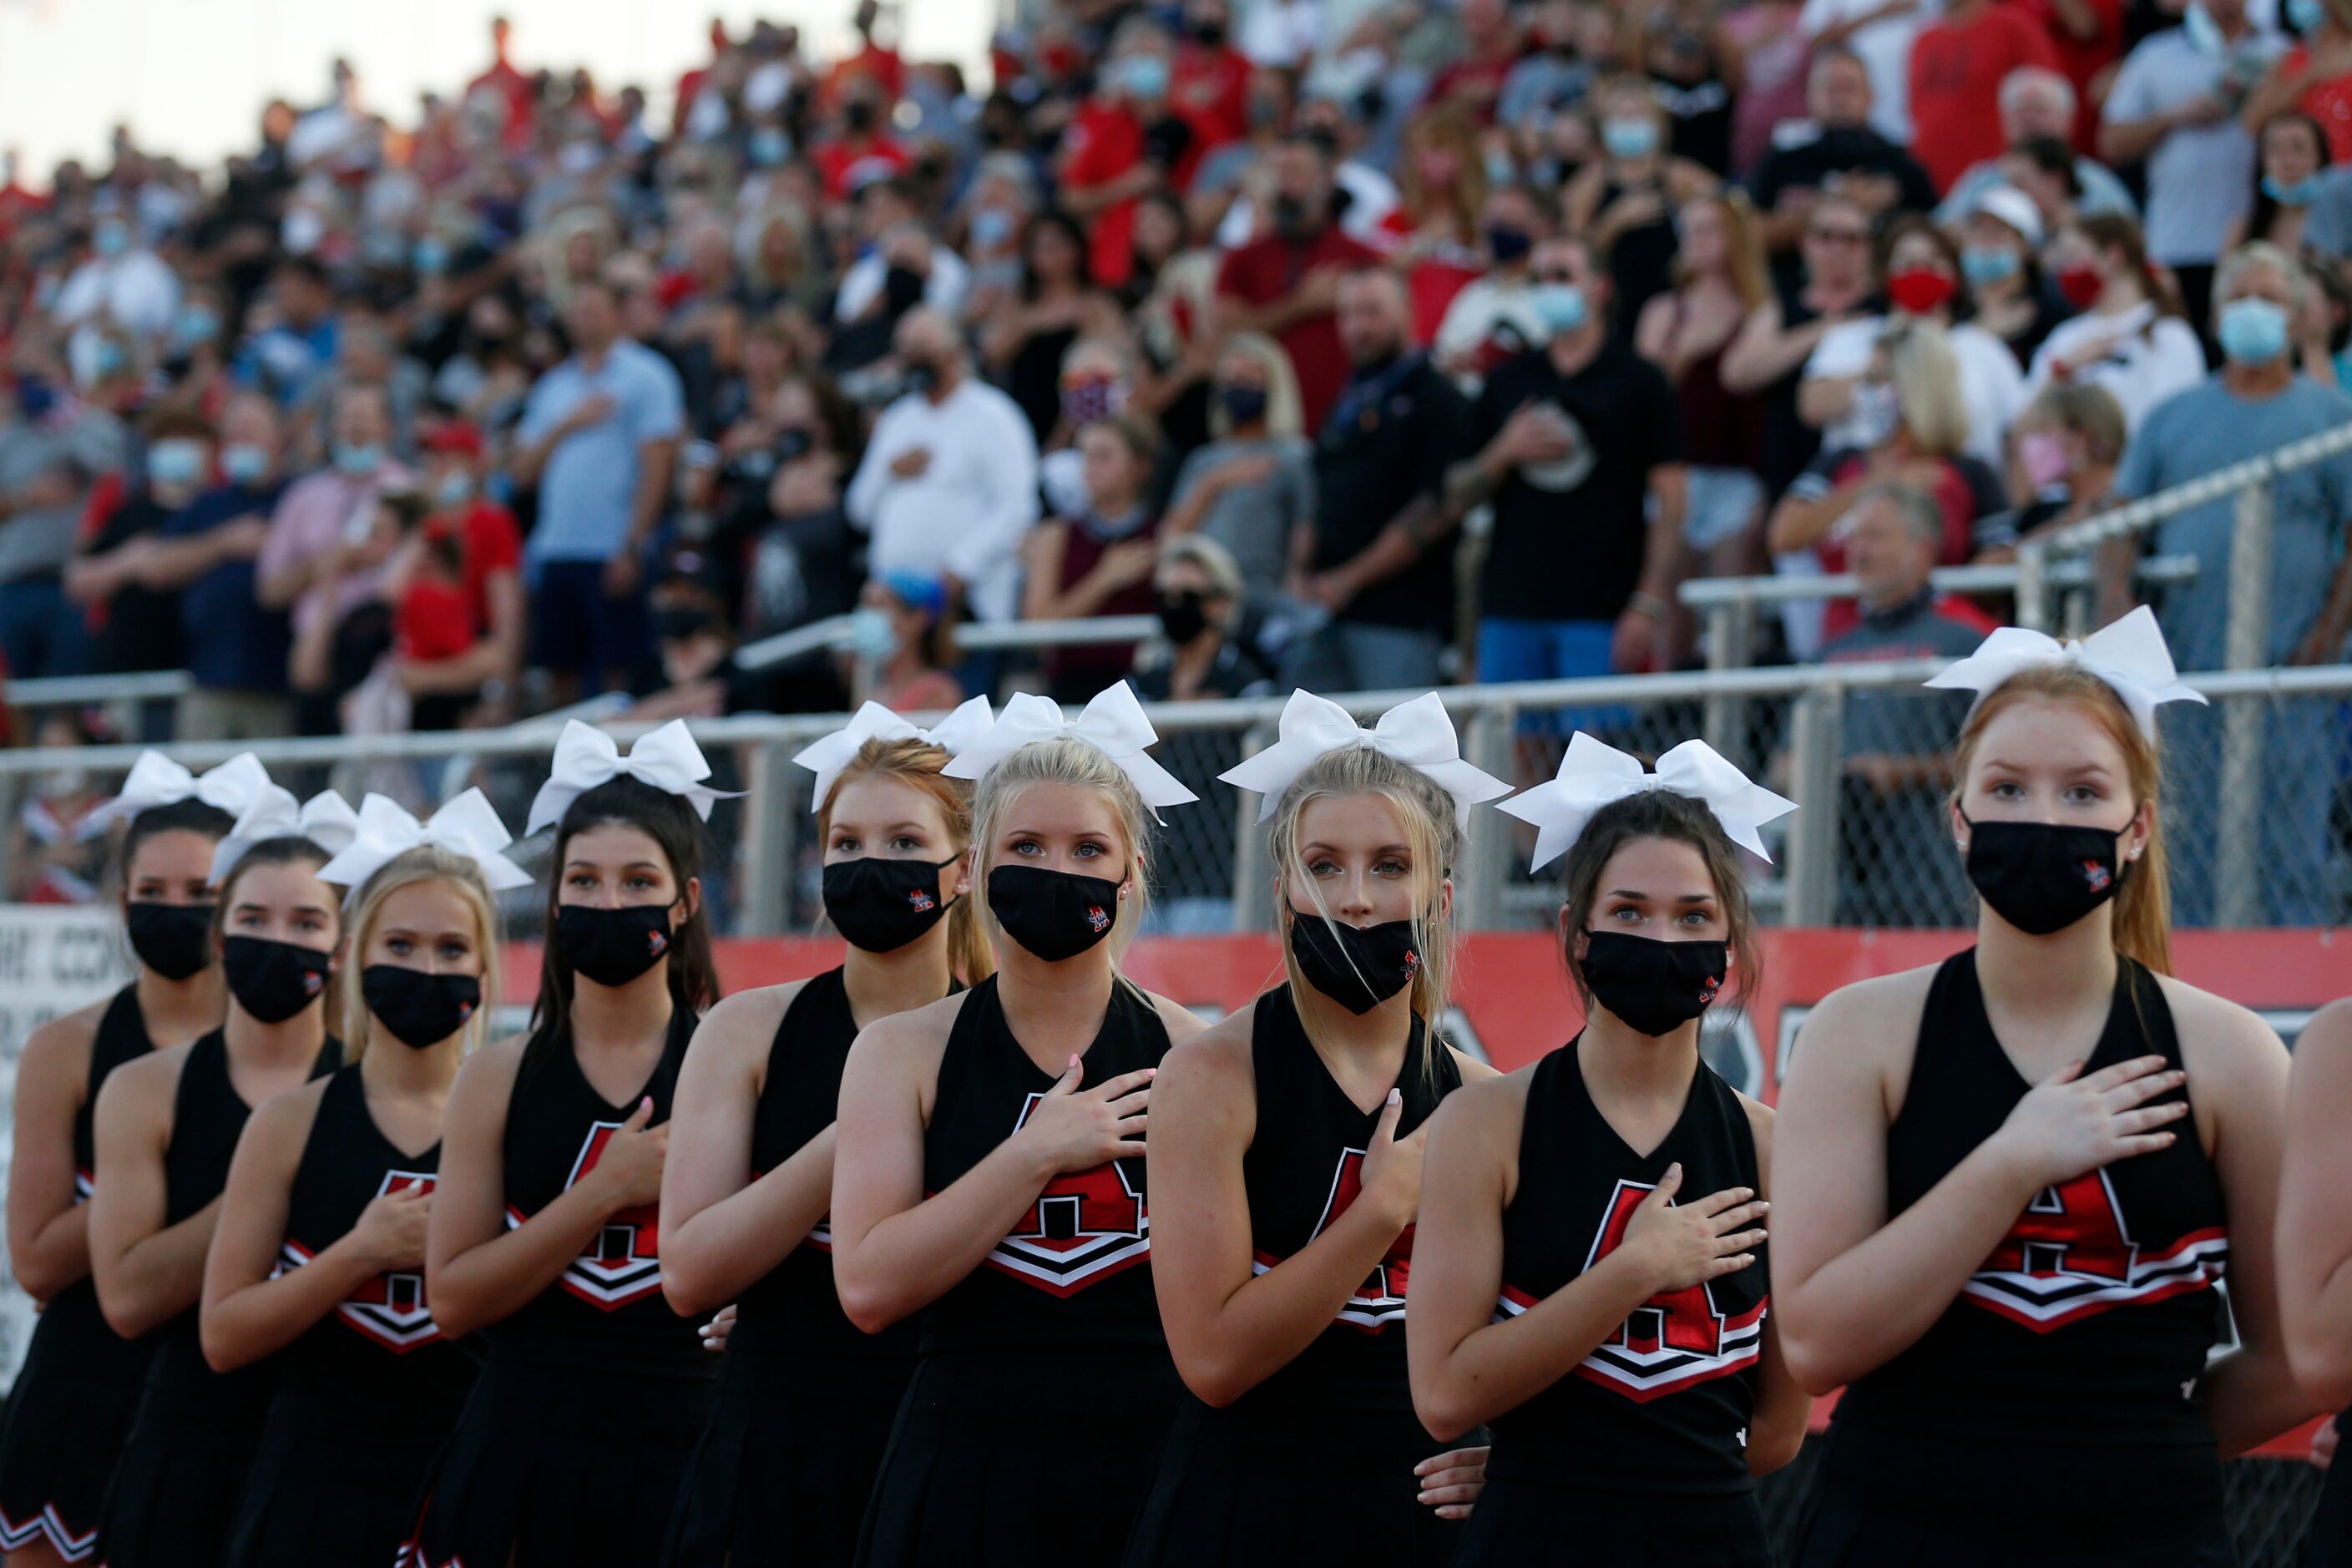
(134, 627)
(2000, 262)
(50, 456)
(1767, 358)
(1251, 490)
(1210, 79)
(460, 640)
(900, 265)
(1836, 152)
(2037, 105)
(1023, 340)
(1625, 201)
(1687, 79)
(861, 149)
(904, 625)
(2069, 440)
(2287, 182)
(1493, 319)
(2131, 339)
(120, 281)
(1127, 140)
(1097, 561)
(1207, 649)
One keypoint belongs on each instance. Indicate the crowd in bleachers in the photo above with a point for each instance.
(1367, 343)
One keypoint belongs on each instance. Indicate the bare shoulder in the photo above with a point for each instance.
(738, 1029)
(491, 1070)
(1472, 1068)
(918, 1033)
(1759, 1128)
(2328, 1035)
(1182, 1022)
(151, 1078)
(287, 1119)
(2222, 1042)
(64, 1041)
(1216, 1064)
(1877, 1019)
(1490, 1106)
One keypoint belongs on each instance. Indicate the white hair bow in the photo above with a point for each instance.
(468, 825)
(1113, 724)
(586, 756)
(826, 758)
(1595, 774)
(326, 819)
(156, 780)
(2129, 656)
(1417, 734)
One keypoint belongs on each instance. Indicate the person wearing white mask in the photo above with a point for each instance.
(120, 283)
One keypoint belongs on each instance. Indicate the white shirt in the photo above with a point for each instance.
(1371, 196)
(136, 289)
(1992, 385)
(1486, 307)
(943, 290)
(2148, 357)
(2198, 177)
(965, 514)
(1884, 50)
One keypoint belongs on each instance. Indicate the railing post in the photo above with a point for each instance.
(1730, 644)
(764, 902)
(1252, 861)
(2242, 718)
(1812, 851)
(1478, 885)
(2033, 585)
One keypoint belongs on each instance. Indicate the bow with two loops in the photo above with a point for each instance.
(1113, 724)
(828, 757)
(326, 819)
(156, 780)
(1595, 774)
(2128, 655)
(666, 758)
(1417, 734)
(468, 826)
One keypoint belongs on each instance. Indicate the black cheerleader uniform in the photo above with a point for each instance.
(2329, 1543)
(1336, 1424)
(182, 1475)
(575, 1438)
(805, 1401)
(73, 1397)
(1032, 1427)
(1639, 1456)
(2052, 1414)
(325, 1488)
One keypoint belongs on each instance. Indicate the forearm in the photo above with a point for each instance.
(653, 494)
(717, 1256)
(1799, 524)
(495, 1279)
(1870, 1303)
(2130, 141)
(1824, 400)
(1755, 362)
(2252, 1396)
(531, 457)
(1395, 548)
(159, 1277)
(2319, 1337)
(1080, 599)
(175, 562)
(1474, 481)
(264, 1317)
(910, 1259)
(1499, 1367)
(1661, 553)
(1270, 1321)
(52, 1255)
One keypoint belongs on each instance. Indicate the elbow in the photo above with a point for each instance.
(1781, 535)
(1816, 1371)
(38, 1278)
(874, 1309)
(222, 1353)
(690, 1294)
(1212, 1380)
(130, 1317)
(1442, 1415)
(2323, 1373)
(454, 1314)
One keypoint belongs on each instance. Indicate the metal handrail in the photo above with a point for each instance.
(1998, 577)
(76, 690)
(833, 632)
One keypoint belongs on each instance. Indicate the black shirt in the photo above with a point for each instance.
(1804, 157)
(141, 626)
(1568, 546)
(1395, 430)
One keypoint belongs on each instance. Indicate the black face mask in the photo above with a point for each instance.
(1655, 987)
(2041, 876)
(1507, 244)
(613, 947)
(1053, 914)
(1243, 404)
(1182, 616)
(1290, 219)
(922, 377)
(273, 980)
(792, 445)
(1358, 967)
(902, 288)
(175, 940)
(880, 905)
(1207, 34)
(858, 117)
(417, 1009)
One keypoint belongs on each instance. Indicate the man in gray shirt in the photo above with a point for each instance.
(51, 449)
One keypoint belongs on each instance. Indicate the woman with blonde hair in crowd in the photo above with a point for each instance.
(1251, 487)
(989, 1171)
(1431, 236)
(319, 1256)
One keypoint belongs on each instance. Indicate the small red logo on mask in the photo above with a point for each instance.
(922, 900)
(1097, 919)
(2095, 876)
(658, 942)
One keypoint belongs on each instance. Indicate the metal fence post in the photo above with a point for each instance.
(2033, 585)
(1812, 851)
(763, 904)
(1253, 863)
(2247, 648)
(1730, 644)
(1478, 885)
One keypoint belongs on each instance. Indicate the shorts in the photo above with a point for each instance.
(576, 630)
(1722, 503)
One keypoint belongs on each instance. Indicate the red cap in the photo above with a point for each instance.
(459, 436)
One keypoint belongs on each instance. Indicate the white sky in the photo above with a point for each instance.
(191, 76)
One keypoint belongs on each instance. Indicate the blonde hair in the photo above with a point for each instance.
(409, 868)
(1433, 830)
(1927, 378)
(2143, 917)
(1065, 761)
(917, 764)
(1285, 415)
(1743, 247)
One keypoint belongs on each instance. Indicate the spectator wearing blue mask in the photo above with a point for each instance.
(50, 454)
(135, 627)
(1581, 455)
(901, 627)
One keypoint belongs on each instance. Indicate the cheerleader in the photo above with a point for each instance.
(2315, 1254)
(2014, 1178)
(1591, 1278)
(167, 1125)
(990, 1177)
(544, 1227)
(319, 1251)
(805, 1401)
(1286, 1155)
(72, 1399)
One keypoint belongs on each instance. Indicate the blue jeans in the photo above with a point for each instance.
(1511, 650)
(41, 632)
(1358, 656)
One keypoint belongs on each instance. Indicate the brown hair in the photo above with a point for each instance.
(286, 849)
(1680, 819)
(917, 764)
(2115, 231)
(2143, 903)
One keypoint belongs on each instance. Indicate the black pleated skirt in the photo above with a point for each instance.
(66, 1417)
(553, 1466)
(1518, 1522)
(1021, 1458)
(2329, 1543)
(782, 1476)
(1947, 1502)
(180, 1478)
(331, 1482)
(1279, 1487)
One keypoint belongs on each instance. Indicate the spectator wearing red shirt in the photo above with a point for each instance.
(1285, 283)
(1125, 141)
(2315, 76)
(689, 86)
(1493, 47)
(875, 63)
(862, 150)
(457, 617)
(1209, 83)
(509, 85)
(1956, 67)
(2088, 36)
